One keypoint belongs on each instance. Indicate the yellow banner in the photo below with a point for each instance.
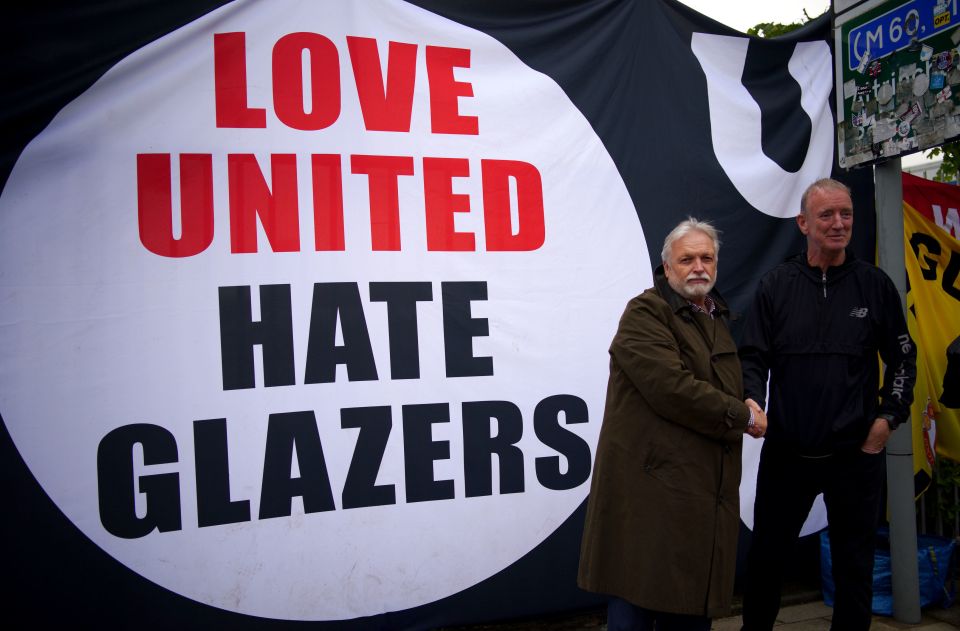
(933, 316)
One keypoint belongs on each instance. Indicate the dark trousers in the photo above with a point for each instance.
(625, 616)
(787, 485)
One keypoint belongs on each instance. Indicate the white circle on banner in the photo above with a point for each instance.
(98, 333)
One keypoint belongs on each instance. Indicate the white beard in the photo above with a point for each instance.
(692, 292)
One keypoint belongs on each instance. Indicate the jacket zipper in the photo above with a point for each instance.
(824, 279)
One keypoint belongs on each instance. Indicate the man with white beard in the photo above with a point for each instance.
(663, 518)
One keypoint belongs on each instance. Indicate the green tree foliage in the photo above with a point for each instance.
(773, 29)
(776, 29)
(950, 167)
(944, 507)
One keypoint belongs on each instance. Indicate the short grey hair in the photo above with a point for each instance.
(823, 184)
(684, 228)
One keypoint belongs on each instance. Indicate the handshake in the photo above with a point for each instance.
(759, 427)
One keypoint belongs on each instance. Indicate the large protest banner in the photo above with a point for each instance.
(304, 306)
(931, 227)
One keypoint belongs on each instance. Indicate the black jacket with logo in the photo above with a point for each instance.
(818, 334)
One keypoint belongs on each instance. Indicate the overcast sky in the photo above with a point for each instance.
(742, 14)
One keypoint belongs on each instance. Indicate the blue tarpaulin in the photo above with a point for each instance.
(934, 561)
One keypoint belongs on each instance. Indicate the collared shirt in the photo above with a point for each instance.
(709, 307)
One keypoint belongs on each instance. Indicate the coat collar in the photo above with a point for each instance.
(680, 305)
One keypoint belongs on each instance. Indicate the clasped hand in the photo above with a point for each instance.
(759, 427)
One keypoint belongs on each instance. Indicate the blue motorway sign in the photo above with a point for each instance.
(896, 29)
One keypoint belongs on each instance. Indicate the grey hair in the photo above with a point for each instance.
(823, 184)
(686, 227)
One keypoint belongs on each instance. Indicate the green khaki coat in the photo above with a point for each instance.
(663, 515)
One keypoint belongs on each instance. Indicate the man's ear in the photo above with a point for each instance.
(802, 223)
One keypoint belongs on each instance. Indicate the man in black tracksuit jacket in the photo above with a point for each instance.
(817, 323)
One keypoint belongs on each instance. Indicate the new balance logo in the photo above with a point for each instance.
(859, 313)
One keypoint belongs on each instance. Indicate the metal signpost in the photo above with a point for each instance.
(898, 92)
